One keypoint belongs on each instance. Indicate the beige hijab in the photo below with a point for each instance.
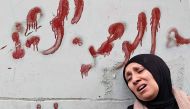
(181, 97)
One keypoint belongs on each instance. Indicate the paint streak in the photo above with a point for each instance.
(127, 47)
(85, 69)
(79, 4)
(77, 41)
(32, 19)
(34, 40)
(19, 52)
(179, 40)
(57, 25)
(38, 106)
(115, 30)
(55, 105)
(154, 22)
(3, 47)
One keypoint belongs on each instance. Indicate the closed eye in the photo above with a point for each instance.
(141, 70)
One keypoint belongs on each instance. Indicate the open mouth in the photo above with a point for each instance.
(141, 87)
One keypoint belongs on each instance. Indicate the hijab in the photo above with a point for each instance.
(161, 73)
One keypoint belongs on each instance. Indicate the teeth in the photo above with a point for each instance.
(141, 87)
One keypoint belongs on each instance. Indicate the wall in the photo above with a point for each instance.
(56, 78)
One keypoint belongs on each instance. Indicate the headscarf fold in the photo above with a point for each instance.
(161, 73)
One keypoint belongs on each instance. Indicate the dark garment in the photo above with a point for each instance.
(130, 107)
(161, 73)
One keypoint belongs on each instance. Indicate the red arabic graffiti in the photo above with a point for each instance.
(177, 39)
(77, 41)
(129, 48)
(32, 19)
(79, 4)
(115, 30)
(57, 23)
(154, 22)
(34, 40)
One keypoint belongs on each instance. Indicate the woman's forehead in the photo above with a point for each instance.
(133, 65)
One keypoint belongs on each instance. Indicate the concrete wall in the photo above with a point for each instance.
(56, 78)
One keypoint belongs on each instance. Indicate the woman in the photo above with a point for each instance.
(148, 77)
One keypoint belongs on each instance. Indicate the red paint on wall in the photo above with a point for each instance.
(116, 30)
(154, 22)
(55, 105)
(63, 9)
(105, 48)
(34, 40)
(38, 106)
(79, 4)
(19, 52)
(15, 37)
(178, 39)
(92, 51)
(85, 69)
(77, 41)
(32, 19)
(19, 27)
(57, 25)
(127, 47)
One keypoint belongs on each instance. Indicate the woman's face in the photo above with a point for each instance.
(141, 82)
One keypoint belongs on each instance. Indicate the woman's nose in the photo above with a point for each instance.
(136, 80)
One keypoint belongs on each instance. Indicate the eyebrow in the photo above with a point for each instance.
(137, 68)
(127, 73)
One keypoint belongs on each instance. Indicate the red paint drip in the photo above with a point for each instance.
(154, 22)
(85, 69)
(55, 105)
(127, 47)
(38, 106)
(32, 19)
(19, 52)
(57, 25)
(34, 40)
(79, 4)
(179, 40)
(77, 41)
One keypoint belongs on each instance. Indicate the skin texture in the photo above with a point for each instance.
(137, 76)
